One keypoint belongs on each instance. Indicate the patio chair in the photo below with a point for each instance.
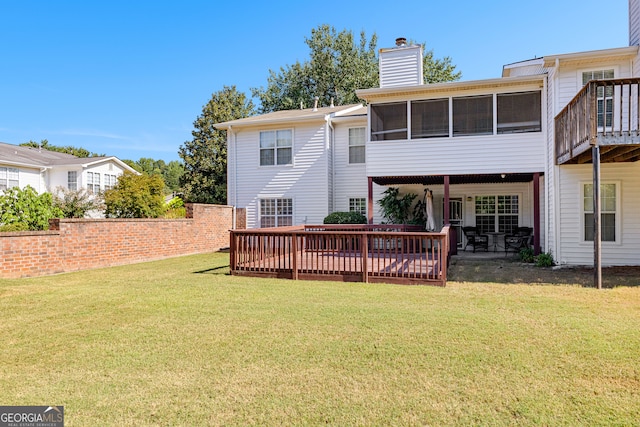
(475, 239)
(522, 238)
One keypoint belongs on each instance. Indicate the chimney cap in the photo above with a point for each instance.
(401, 41)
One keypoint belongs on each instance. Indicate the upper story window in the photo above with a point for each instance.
(389, 121)
(93, 182)
(110, 181)
(604, 97)
(430, 118)
(276, 147)
(356, 145)
(9, 177)
(473, 115)
(519, 112)
(72, 180)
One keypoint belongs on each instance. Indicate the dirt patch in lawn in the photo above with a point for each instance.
(514, 271)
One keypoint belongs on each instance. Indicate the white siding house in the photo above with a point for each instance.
(492, 152)
(45, 170)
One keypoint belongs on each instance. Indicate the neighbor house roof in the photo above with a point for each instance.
(303, 115)
(40, 158)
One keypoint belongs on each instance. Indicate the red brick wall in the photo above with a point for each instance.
(80, 244)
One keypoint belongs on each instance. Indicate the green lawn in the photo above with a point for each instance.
(179, 342)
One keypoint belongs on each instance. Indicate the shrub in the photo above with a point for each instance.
(345, 218)
(545, 259)
(25, 209)
(75, 203)
(175, 209)
(135, 196)
(526, 255)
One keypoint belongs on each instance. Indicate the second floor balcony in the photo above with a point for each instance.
(603, 113)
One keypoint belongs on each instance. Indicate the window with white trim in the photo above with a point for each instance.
(358, 204)
(497, 213)
(9, 177)
(356, 145)
(110, 181)
(608, 208)
(604, 97)
(72, 180)
(276, 212)
(276, 147)
(93, 182)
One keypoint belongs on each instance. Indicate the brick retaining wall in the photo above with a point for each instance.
(80, 244)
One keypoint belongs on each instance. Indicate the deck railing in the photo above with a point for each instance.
(366, 253)
(603, 109)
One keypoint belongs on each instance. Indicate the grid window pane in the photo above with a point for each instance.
(275, 147)
(72, 180)
(276, 212)
(501, 211)
(473, 115)
(389, 121)
(430, 119)
(358, 205)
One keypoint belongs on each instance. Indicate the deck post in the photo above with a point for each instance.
(294, 256)
(597, 210)
(536, 213)
(364, 245)
(232, 250)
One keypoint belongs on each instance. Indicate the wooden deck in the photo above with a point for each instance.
(335, 253)
(591, 118)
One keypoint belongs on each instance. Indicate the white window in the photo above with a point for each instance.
(276, 212)
(389, 121)
(356, 145)
(110, 181)
(358, 205)
(93, 182)
(275, 147)
(604, 97)
(608, 207)
(497, 213)
(9, 177)
(72, 180)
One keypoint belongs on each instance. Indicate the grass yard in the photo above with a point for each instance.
(180, 342)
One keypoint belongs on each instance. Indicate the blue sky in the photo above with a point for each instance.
(128, 78)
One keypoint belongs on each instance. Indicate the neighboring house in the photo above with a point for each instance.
(497, 153)
(46, 170)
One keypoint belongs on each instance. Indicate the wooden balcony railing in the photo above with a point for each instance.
(604, 112)
(365, 253)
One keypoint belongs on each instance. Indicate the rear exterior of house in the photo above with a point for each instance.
(498, 154)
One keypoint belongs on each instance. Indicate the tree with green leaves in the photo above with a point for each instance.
(25, 209)
(75, 151)
(135, 196)
(336, 68)
(205, 156)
